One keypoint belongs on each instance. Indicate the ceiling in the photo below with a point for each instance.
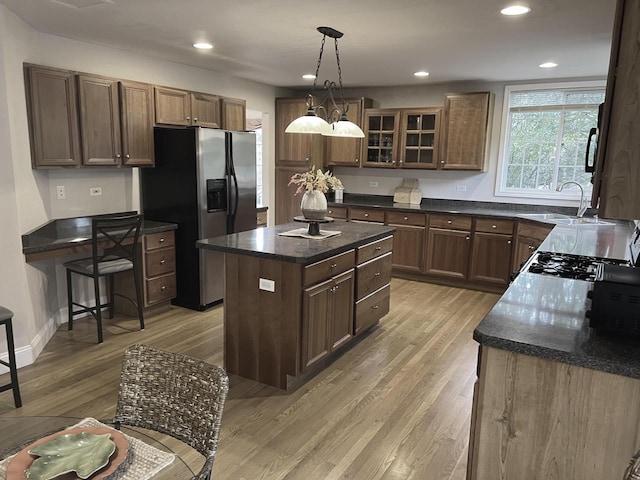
(384, 43)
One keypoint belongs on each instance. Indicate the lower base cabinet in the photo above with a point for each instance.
(327, 318)
(535, 418)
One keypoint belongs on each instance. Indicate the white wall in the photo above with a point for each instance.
(480, 186)
(27, 197)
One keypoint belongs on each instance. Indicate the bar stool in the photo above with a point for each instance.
(5, 319)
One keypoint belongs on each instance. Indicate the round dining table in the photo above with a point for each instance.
(17, 433)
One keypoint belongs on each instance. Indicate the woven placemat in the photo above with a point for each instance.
(144, 461)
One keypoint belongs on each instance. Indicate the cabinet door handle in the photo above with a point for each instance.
(357, 160)
(117, 155)
(508, 242)
(161, 240)
(163, 287)
(127, 156)
(330, 211)
(378, 248)
(195, 119)
(336, 288)
(494, 226)
(163, 261)
(449, 222)
(377, 274)
(442, 162)
(375, 307)
(366, 214)
(334, 265)
(188, 118)
(467, 238)
(406, 218)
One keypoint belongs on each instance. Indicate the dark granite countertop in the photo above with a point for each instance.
(266, 243)
(544, 316)
(488, 209)
(70, 232)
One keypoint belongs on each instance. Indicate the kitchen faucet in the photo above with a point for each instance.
(583, 206)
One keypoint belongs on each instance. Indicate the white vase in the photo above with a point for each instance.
(314, 205)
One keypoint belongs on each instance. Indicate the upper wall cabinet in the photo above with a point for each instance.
(180, 107)
(382, 137)
(617, 176)
(465, 126)
(115, 122)
(78, 120)
(53, 117)
(347, 152)
(296, 148)
(234, 114)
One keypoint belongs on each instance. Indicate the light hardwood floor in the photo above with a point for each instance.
(396, 406)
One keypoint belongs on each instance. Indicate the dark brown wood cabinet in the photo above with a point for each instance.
(348, 151)
(327, 307)
(184, 108)
(287, 202)
(420, 138)
(234, 114)
(528, 238)
(491, 251)
(296, 149)
(116, 122)
(382, 137)
(448, 246)
(466, 127)
(53, 117)
(409, 239)
(617, 173)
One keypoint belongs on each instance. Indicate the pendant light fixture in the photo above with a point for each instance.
(318, 116)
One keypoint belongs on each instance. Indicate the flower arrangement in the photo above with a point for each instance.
(315, 180)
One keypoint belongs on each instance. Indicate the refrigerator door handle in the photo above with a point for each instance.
(233, 186)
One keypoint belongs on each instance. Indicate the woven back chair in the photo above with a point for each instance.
(173, 394)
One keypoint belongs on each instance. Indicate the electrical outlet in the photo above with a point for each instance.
(461, 188)
(60, 192)
(95, 191)
(373, 184)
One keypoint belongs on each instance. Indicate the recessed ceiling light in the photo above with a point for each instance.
(548, 65)
(421, 73)
(515, 10)
(309, 76)
(203, 46)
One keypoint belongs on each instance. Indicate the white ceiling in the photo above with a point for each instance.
(384, 43)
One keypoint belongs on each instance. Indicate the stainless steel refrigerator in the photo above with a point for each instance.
(204, 180)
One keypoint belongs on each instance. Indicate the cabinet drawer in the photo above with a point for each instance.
(399, 218)
(329, 267)
(492, 225)
(367, 215)
(372, 308)
(373, 275)
(160, 262)
(337, 212)
(161, 288)
(455, 222)
(537, 231)
(374, 249)
(159, 240)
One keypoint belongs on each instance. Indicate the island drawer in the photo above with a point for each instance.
(161, 288)
(367, 215)
(339, 213)
(159, 240)
(329, 267)
(455, 222)
(371, 309)
(492, 225)
(372, 275)
(160, 261)
(374, 249)
(399, 218)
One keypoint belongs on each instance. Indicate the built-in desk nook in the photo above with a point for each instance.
(292, 304)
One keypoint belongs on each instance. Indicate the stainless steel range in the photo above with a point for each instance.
(615, 293)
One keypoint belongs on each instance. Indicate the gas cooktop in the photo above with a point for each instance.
(566, 265)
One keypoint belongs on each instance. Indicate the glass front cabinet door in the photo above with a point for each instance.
(381, 135)
(420, 138)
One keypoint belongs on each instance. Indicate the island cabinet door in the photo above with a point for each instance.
(342, 318)
(316, 340)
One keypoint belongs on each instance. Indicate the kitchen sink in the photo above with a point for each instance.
(560, 219)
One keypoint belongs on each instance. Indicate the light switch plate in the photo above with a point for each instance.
(267, 285)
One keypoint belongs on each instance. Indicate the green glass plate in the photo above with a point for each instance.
(83, 453)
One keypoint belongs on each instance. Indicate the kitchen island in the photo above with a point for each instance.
(554, 399)
(292, 304)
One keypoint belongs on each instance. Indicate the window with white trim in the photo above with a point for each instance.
(544, 137)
